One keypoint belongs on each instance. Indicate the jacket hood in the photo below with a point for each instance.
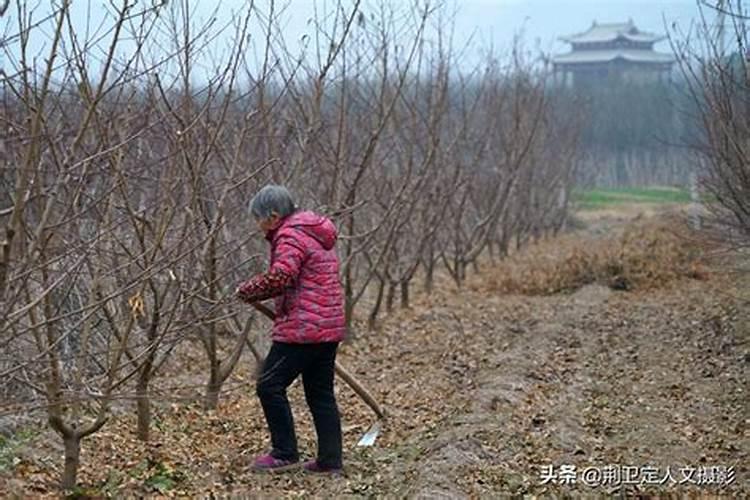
(316, 226)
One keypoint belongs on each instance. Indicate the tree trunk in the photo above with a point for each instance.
(219, 370)
(460, 273)
(72, 459)
(391, 296)
(405, 294)
(429, 280)
(213, 388)
(456, 271)
(211, 400)
(504, 247)
(143, 405)
(372, 320)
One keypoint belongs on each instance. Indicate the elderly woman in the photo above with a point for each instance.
(303, 279)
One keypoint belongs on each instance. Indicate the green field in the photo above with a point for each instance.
(602, 198)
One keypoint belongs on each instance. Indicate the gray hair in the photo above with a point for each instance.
(272, 198)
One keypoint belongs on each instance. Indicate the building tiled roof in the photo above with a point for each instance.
(612, 31)
(599, 56)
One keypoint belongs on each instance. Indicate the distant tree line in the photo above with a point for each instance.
(634, 133)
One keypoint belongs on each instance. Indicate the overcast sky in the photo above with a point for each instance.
(546, 20)
(490, 22)
(542, 21)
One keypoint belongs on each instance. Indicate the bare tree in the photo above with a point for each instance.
(718, 78)
(56, 283)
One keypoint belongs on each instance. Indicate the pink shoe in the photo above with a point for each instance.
(313, 466)
(268, 463)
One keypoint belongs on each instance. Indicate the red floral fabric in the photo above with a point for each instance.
(303, 278)
(264, 286)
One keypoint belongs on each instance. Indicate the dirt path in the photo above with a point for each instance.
(599, 379)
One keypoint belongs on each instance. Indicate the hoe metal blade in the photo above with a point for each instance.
(368, 439)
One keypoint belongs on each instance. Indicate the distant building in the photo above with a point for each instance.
(618, 51)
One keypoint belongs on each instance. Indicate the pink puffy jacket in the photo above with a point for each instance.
(304, 280)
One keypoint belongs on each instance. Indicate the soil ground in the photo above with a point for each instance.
(485, 393)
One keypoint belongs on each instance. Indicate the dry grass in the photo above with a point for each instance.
(648, 254)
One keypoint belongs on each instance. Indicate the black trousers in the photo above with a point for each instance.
(315, 362)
